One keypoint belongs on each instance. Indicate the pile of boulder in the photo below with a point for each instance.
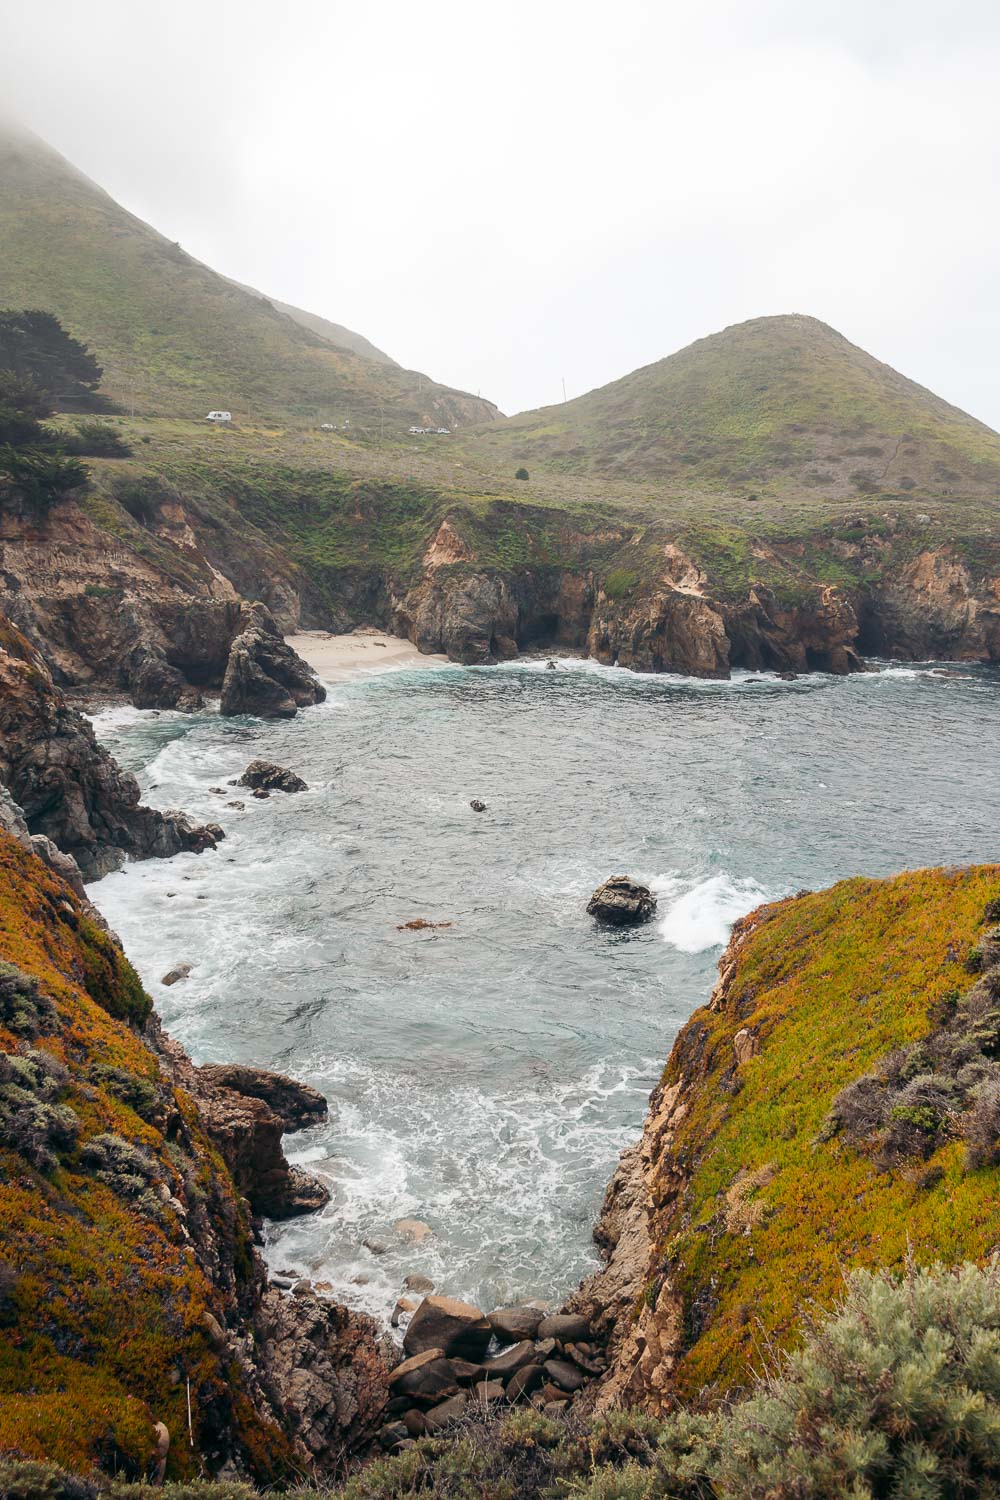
(461, 1361)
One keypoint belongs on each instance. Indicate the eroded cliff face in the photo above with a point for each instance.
(131, 1292)
(70, 789)
(476, 617)
(742, 1202)
(154, 613)
(684, 621)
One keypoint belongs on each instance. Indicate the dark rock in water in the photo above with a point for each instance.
(175, 975)
(296, 1104)
(512, 1324)
(265, 776)
(564, 1326)
(477, 806)
(448, 1412)
(445, 1323)
(621, 901)
(263, 675)
(565, 1375)
(260, 793)
(788, 676)
(415, 1282)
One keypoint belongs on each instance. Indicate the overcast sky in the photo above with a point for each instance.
(508, 195)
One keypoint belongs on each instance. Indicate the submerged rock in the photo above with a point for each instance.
(621, 901)
(265, 776)
(414, 1230)
(175, 975)
(477, 806)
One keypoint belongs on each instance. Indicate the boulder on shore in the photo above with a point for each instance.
(622, 901)
(445, 1323)
(512, 1324)
(265, 776)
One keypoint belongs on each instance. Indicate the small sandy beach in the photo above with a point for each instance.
(337, 658)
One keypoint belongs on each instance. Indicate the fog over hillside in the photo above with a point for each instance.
(553, 193)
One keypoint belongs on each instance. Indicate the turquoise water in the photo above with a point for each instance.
(483, 1076)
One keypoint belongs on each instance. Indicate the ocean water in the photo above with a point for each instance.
(484, 1075)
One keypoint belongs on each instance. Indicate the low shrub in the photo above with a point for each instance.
(96, 440)
(24, 1009)
(32, 1121)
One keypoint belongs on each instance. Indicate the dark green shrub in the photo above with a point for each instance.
(143, 496)
(96, 440)
(522, 474)
(42, 1481)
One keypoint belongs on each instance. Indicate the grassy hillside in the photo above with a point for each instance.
(106, 1183)
(767, 408)
(777, 1202)
(334, 333)
(175, 337)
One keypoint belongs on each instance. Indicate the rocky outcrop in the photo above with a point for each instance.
(295, 1104)
(932, 608)
(247, 1111)
(70, 789)
(477, 617)
(790, 1135)
(263, 675)
(264, 776)
(622, 902)
(129, 1240)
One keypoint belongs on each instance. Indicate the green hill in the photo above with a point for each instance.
(771, 407)
(334, 333)
(176, 338)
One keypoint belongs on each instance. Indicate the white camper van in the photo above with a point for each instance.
(219, 416)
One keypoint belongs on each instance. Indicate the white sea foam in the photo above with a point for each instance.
(702, 917)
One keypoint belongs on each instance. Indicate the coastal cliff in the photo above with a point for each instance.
(136, 1320)
(830, 1107)
(71, 790)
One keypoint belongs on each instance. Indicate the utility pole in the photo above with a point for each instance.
(381, 425)
(564, 388)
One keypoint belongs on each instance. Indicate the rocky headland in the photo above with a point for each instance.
(131, 1290)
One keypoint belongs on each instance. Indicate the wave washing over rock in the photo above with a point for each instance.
(484, 1075)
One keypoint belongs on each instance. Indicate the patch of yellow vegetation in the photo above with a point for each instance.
(103, 1298)
(773, 1215)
